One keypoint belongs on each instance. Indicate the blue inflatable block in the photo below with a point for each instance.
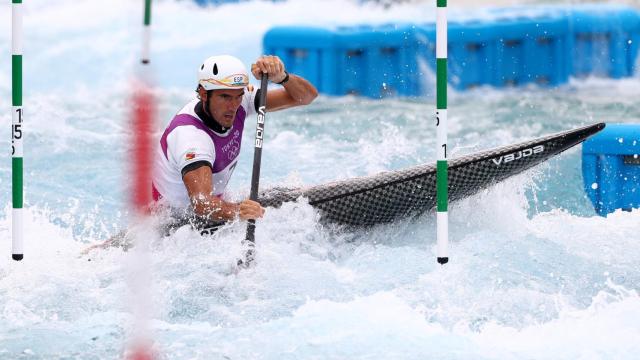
(522, 45)
(532, 51)
(508, 52)
(604, 40)
(377, 61)
(611, 168)
(308, 52)
(362, 60)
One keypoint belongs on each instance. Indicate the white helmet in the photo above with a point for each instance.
(223, 72)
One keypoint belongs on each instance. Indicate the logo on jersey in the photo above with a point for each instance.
(190, 156)
(232, 148)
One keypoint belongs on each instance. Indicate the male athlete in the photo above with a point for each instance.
(199, 149)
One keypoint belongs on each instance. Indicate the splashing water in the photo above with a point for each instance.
(534, 273)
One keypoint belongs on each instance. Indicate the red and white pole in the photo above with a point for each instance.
(141, 227)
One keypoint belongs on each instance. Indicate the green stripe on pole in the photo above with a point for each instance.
(441, 185)
(441, 83)
(442, 3)
(147, 12)
(17, 1)
(16, 72)
(17, 182)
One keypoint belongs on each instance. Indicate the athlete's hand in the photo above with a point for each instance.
(271, 65)
(250, 209)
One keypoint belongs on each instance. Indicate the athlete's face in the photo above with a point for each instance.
(224, 104)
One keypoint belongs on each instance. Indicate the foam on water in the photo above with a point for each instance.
(534, 273)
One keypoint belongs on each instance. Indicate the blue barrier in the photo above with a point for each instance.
(309, 52)
(370, 61)
(378, 61)
(605, 40)
(611, 168)
(509, 52)
(544, 47)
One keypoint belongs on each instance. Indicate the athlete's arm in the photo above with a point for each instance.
(205, 204)
(296, 91)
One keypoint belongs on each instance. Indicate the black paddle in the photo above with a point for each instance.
(255, 177)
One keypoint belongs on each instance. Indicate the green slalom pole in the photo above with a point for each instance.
(442, 181)
(146, 35)
(17, 252)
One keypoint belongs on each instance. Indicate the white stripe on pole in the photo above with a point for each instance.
(443, 233)
(441, 134)
(441, 32)
(146, 41)
(16, 29)
(17, 247)
(16, 117)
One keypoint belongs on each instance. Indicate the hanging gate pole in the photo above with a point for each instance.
(442, 196)
(146, 36)
(17, 251)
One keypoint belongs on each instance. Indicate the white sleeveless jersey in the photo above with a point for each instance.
(187, 140)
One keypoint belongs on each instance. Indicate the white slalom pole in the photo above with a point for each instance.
(142, 227)
(17, 251)
(146, 32)
(442, 180)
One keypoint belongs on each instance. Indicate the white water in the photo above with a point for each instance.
(534, 273)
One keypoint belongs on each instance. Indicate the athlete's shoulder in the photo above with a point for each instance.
(184, 138)
(190, 109)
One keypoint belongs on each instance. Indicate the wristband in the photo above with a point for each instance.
(286, 78)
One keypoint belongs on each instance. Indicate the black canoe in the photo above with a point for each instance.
(388, 196)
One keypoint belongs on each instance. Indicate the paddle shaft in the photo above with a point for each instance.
(257, 159)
